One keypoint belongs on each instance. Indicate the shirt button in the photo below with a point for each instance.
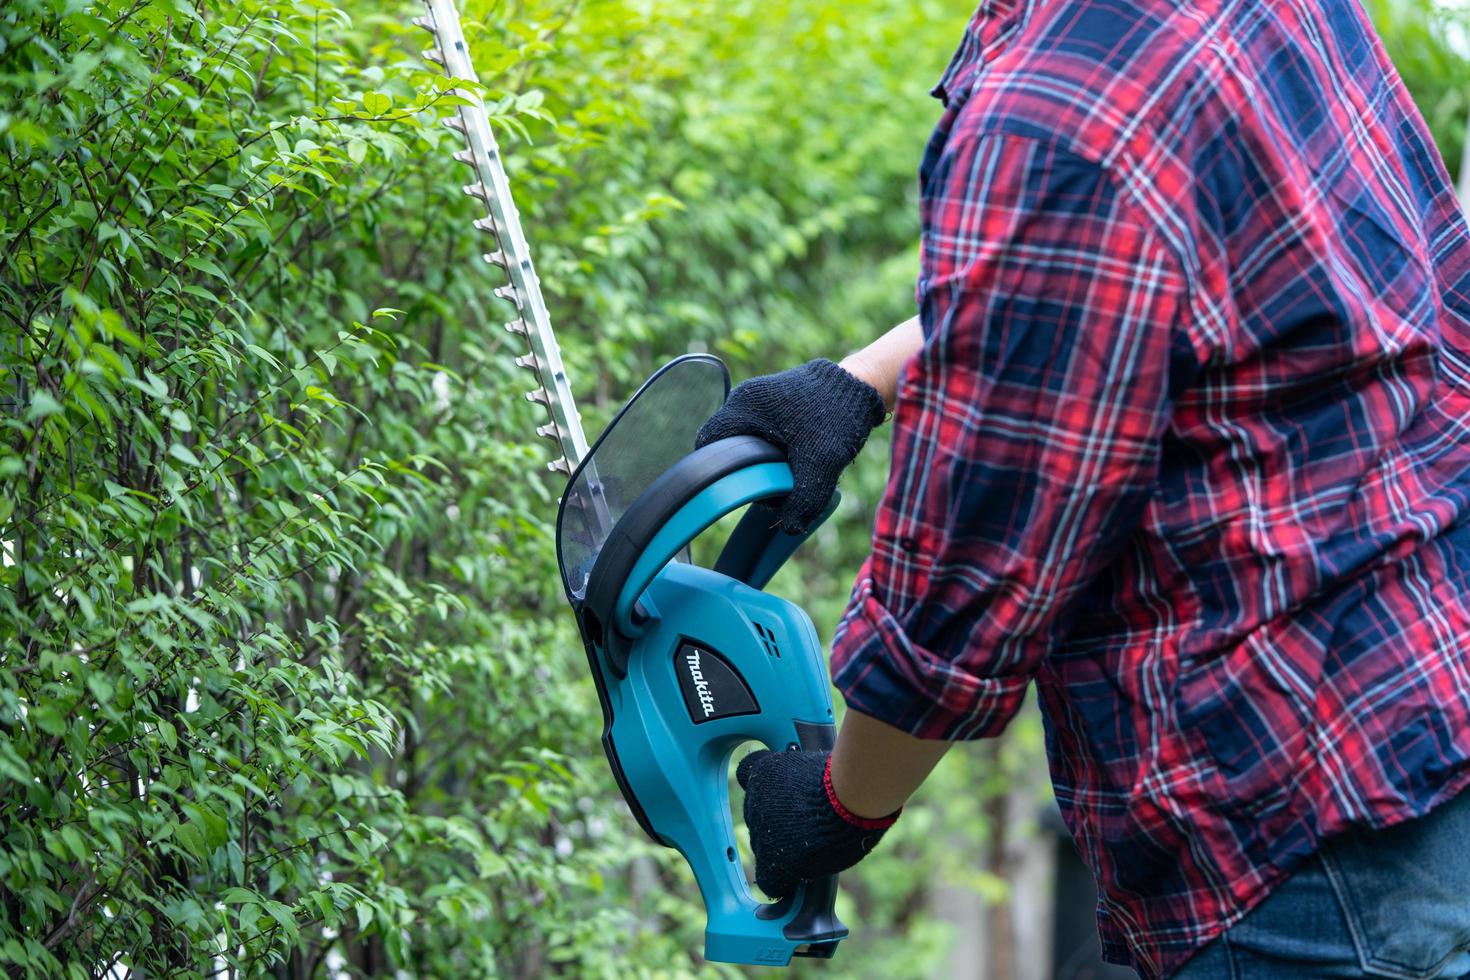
(909, 545)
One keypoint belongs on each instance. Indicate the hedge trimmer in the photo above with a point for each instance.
(689, 662)
(503, 223)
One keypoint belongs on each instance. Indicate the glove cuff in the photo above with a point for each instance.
(862, 823)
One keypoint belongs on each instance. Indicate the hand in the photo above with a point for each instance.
(799, 830)
(818, 413)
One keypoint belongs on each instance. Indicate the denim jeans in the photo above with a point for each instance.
(1372, 903)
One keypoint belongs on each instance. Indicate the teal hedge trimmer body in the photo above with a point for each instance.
(693, 662)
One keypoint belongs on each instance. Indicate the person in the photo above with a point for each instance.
(1179, 433)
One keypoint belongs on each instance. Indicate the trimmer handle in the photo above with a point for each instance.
(817, 916)
(681, 504)
(757, 548)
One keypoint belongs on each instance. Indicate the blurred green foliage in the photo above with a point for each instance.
(286, 682)
(1429, 44)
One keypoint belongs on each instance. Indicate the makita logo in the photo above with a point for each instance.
(701, 686)
(711, 686)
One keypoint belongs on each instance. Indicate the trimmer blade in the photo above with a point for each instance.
(502, 220)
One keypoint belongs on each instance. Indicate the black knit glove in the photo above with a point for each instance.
(799, 830)
(819, 413)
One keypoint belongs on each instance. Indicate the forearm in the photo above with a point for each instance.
(881, 362)
(876, 767)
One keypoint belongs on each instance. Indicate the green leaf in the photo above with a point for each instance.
(150, 384)
(74, 842)
(183, 454)
(491, 865)
(264, 355)
(191, 838)
(48, 718)
(101, 687)
(284, 917)
(208, 266)
(12, 766)
(42, 405)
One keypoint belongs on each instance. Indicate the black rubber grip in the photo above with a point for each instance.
(816, 922)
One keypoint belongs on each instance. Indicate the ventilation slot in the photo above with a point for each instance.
(768, 639)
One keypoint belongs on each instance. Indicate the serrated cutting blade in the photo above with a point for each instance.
(511, 253)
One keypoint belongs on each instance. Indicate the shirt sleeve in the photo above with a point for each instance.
(1026, 435)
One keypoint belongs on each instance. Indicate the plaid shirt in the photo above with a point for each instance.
(1188, 442)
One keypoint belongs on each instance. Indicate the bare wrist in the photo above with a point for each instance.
(852, 796)
(870, 374)
(880, 363)
(876, 767)
(842, 810)
(857, 366)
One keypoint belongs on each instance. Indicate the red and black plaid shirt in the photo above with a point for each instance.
(1188, 443)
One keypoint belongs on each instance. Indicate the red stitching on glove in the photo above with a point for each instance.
(863, 823)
